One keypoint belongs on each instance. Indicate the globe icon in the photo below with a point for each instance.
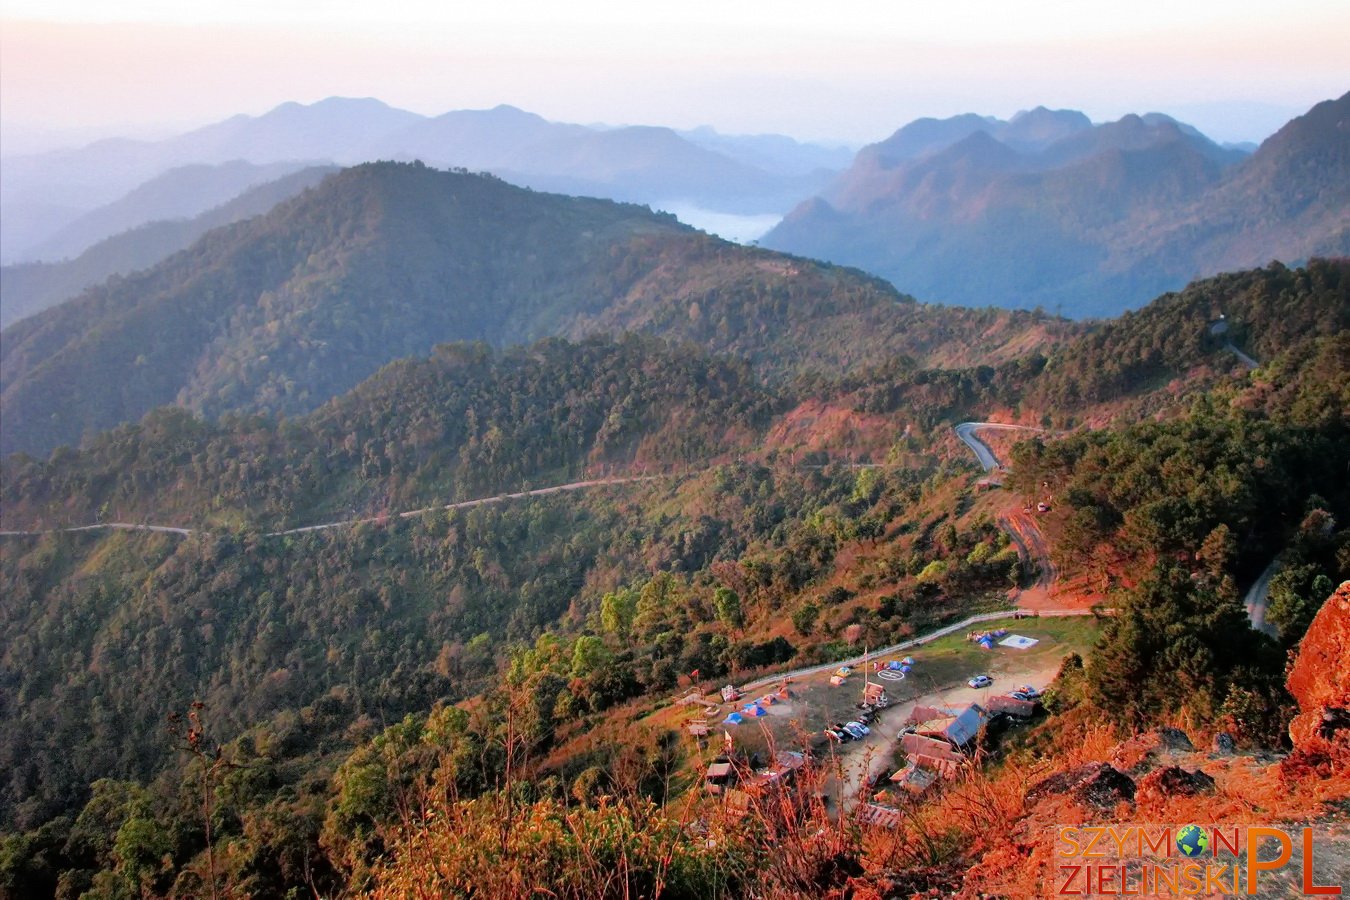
(1192, 841)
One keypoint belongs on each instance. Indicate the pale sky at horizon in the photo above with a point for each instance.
(847, 71)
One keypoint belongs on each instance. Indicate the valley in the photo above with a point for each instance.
(392, 530)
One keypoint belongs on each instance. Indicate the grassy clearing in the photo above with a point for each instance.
(952, 659)
(941, 665)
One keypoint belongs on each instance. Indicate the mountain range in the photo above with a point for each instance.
(1050, 210)
(27, 288)
(1045, 209)
(280, 312)
(43, 195)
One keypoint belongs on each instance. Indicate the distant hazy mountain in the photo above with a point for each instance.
(28, 288)
(177, 194)
(384, 261)
(1289, 201)
(41, 194)
(474, 139)
(775, 153)
(45, 194)
(1049, 210)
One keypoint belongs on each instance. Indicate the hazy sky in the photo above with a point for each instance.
(849, 71)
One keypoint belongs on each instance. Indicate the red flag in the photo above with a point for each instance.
(693, 675)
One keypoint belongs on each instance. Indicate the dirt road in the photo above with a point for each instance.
(872, 757)
(1020, 526)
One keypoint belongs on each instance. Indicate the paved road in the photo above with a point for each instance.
(467, 504)
(1244, 358)
(109, 526)
(1258, 599)
(464, 504)
(966, 432)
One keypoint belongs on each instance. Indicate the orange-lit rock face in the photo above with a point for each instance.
(1320, 678)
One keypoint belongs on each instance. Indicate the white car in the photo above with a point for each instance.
(857, 729)
(980, 681)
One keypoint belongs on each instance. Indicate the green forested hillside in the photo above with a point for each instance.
(343, 670)
(1293, 321)
(385, 261)
(466, 422)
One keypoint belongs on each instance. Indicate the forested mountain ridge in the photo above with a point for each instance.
(1295, 322)
(763, 174)
(1095, 222)
(309, 650)
(464, 423)
(384, 261)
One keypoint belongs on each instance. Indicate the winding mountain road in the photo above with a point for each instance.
(966, 432)
(110, 526)
(367, 520)
(1020, 526)
(1220, 328)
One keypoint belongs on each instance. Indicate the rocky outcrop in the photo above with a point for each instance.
(1174, 739)
(1174, 781)
(1320, 680)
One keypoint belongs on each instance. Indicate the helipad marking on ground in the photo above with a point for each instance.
(1017, 642)
(890, 675)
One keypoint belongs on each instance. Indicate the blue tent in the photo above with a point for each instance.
(733, 719)
(905, 669)
(893, 666)
(755, 710)
(908, 660)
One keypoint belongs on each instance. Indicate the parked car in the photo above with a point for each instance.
(838, 734)
(1021, 695)
(1029, 691)
(857, 729)
(980, 681)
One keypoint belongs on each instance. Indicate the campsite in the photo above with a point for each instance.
(936, 678)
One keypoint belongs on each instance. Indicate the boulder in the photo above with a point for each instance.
(1174, 781)
(1224, 745)
(1173, 739)
(1106, 787)
(1320, 679)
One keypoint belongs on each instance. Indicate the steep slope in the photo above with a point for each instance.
(978, 222)
(387, 260)
(1092, 220)
(180, 193)
(466, 421)
(28, 288)
(1289, 201)
(331, 664)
